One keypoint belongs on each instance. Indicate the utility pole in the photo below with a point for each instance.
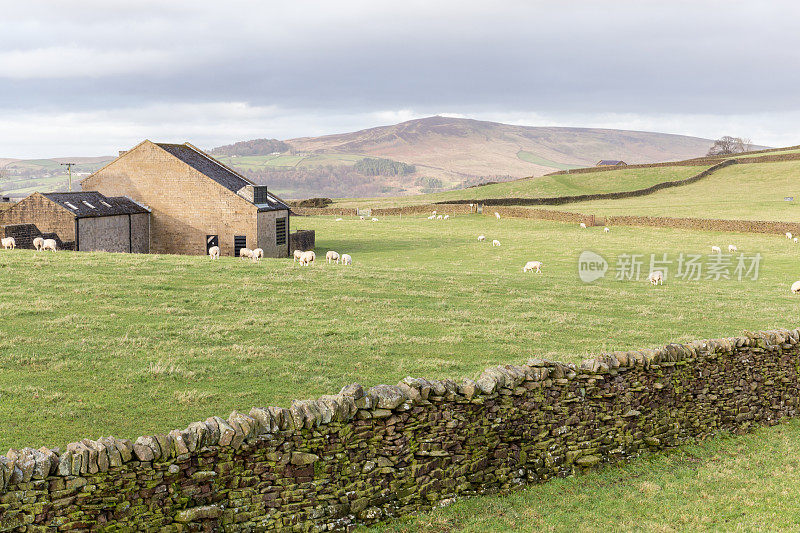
(69, 171)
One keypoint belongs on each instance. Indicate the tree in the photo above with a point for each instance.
(729, 145)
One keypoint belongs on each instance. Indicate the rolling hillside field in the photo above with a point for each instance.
(545, 186)
(750, 192)
(94, 344)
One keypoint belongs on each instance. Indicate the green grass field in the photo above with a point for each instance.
(743, 483)
(94, 344)
(545, 186)
(530, 157)
(748, 191)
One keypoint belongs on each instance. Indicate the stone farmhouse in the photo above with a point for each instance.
(195, 201)
(84, 221)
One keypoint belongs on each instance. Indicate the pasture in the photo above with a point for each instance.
(754, 191)
(94, 344)
(742, 483)
(544, 186)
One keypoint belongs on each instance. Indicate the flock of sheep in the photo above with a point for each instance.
(306, 258)
(9, 243)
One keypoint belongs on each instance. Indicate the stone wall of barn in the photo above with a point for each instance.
(186, 206)
(52, 220)
(267, 238)
(362, 456)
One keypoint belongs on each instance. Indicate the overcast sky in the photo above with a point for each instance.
(96, 76)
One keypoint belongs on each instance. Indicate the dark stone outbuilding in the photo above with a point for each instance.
(84, 221)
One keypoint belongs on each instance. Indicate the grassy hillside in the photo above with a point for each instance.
(544, 186)
(21, 177)
(94, 344)
(746, 483)
(751, 192)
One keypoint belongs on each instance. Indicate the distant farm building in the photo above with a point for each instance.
(611, 163)
(86, 221)
(195, 201)
(5, 199)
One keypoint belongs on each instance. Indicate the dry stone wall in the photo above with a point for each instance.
(362, 456)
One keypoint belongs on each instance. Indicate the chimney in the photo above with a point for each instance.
(122, 152)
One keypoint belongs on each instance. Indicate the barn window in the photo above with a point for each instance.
(105, 203)
(239, 242)
(280, 231)
(90, 205)
(70, 206)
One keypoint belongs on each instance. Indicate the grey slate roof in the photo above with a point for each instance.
(609, 162)
(93, 204)
(207, 166)
(218, 172)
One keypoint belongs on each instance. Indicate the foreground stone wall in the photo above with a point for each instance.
(366, 455)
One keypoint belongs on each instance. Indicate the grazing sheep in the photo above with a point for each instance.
(716, 250)
(307, 258)
(795, 240)
(374, 219)
(332, 257)
(8, 243)
(532, 265)
(788, 235)
(732, 248)
(481, 238)
(495, 243)
(258, 253)
(796, 287)
(38, 242)
(439, 217)
(431, 217)
(245, 253)
(496, 214)
(606, 229)
(361, 217)
(49, 244)
(339, 219)
(656, 277)
(213, 252)
(434, 213)
(583, 225)
(446, 217)
(297, 254)
(346, 259)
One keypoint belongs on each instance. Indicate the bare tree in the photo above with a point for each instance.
(729, 145)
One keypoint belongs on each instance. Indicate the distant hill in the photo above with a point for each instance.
(448, 153)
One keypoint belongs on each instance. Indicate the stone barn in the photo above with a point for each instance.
(195, 201)
(84, 221)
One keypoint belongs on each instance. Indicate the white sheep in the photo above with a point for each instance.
(532, 265)
(332, 257)
(245, 253)
(606, 229)
(213, 252)
(297, 254)
(495, 243)
(307, 258)
(49, 244)
(346, 259)
(258, 253)
(431, 217)
(795, 240)
(796, 287)
(788, 235)
(38, 242)
(716, 250)
(583, 225)
(361, 217)
(656, 277)
(732, 248)
(374, 219)
(8, 243)
(439, 217)
(434, 213)
(446, 217)
(339, 219)
(497, 215)
(481, 238)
